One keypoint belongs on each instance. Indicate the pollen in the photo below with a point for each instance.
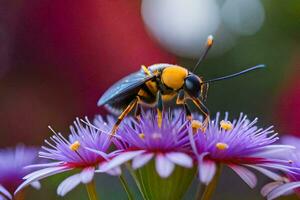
(75, 146)
(142, 135)
(226, 125)
(196, 125)
(222, 146)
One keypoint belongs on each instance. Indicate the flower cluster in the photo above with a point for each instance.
(158, 155)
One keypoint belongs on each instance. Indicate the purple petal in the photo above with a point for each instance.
(266, 172)
(68, 184)
(101, 153)
(274, 151)
(53, 164)
(164, 166)
(40, 174)
(282, 190)
(120, 159)
(115, 171)
(36, 185)
(181, 159)
(141, 160)
(207, 170)
(87, 175)
(248, 176)
(269, 187)
(5, 192)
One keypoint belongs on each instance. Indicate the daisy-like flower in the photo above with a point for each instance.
(70, 154)
(142, 141)
(157, 153)
(289, 182)
(12, 163)
(240, 145)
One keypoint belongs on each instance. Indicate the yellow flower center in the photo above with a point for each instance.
(222, 146)
(226, 125)
(142, 135)
(75, 146)
(196, 124)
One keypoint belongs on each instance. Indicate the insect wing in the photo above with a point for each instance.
(128, 84)
(124, 86)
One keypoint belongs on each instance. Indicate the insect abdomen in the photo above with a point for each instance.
(148, 92)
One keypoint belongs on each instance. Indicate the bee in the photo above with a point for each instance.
(159, 83)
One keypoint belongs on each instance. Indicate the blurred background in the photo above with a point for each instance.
(58, 57)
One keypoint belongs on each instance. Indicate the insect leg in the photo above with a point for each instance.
(182, 101)
(137, 112)
(127, 110)
(159, 109)
(204, 111)
(180, 98)
(188, 112)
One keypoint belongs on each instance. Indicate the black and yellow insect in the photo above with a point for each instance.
(159, 83)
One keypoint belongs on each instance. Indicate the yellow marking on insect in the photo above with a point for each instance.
(196, 125)
(174, 76)
(75, 146)
(152, 86)
(146, 70)
(210, 40)
(159, 118)
(222, 146)
(226, 125)
(142, 135)
(168, 97)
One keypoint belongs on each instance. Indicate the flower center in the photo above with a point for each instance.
(196, 124)
(75, 146)
(222, 146)
(142, 135)
(226, 125)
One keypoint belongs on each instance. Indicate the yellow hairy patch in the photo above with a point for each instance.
(174, 76)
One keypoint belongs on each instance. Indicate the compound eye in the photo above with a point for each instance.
(192, 85)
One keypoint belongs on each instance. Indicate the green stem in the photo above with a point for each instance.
(210, 188)
(91, 190)
(126, 187)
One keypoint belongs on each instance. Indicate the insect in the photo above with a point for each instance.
(159, 83)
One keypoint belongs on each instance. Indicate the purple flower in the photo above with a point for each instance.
(12, 163)
(290, 182)
(72, 153)
(144, 140)
(240, 145)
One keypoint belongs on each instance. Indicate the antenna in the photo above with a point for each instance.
(235, 74)
(208, 45)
